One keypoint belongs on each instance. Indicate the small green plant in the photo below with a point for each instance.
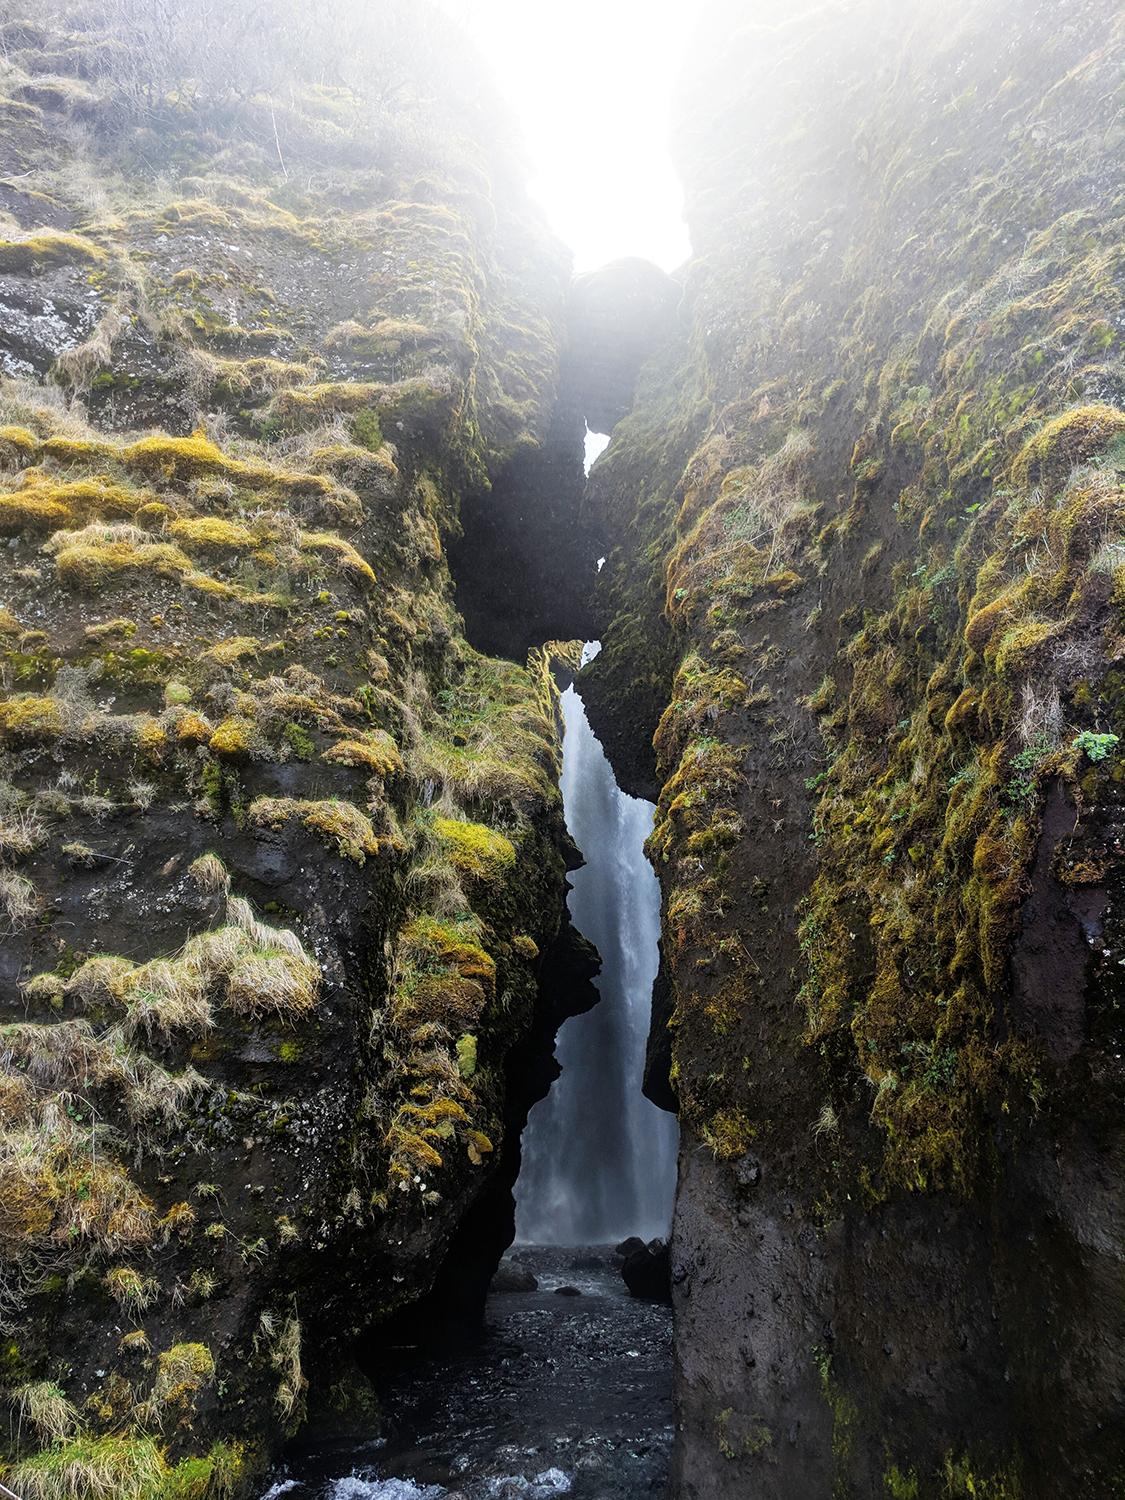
(299, 740)
(1096, 746)
(1020, 791)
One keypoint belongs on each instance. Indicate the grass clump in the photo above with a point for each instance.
(103, 1468)
(19, 900)
(181, 1372)
(45, 1407)
(98, 554)
(375, 752)
(254, 968)
(210, 874)
(130, 1290)
(343, 555)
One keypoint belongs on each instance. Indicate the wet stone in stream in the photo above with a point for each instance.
(563, 1395)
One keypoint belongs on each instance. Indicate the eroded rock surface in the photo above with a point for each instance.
(862, 599)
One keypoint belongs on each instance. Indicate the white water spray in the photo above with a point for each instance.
(599, 1161)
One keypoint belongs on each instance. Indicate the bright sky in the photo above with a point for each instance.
(592, 82)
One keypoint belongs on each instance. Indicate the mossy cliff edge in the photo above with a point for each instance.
(282, 857)
(863, 598)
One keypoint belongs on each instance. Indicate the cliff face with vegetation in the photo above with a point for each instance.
(863, 599)
(282, 859)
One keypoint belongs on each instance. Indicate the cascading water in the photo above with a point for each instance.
(599, 1161)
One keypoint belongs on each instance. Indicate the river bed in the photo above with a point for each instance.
(564, 1394)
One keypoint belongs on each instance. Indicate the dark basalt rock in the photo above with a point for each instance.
(512, 1278)
(647, 1274)
(630, 1246)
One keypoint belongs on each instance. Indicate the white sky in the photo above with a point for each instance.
(592, 82)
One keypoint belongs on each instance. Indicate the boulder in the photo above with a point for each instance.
(646, 1273)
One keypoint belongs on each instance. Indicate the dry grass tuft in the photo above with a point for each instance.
(286, 1359)
(210, 874)
(19, 899)
(130, 1290)
(45, 1407)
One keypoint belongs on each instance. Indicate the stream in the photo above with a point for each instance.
(566, 1393)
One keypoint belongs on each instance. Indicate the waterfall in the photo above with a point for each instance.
(599, 1161)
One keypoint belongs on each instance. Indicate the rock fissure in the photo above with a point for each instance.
(297, 547)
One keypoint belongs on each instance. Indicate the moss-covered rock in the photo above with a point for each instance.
(861, 593)
(260, 803)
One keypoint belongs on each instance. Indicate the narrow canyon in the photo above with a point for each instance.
(427, 866)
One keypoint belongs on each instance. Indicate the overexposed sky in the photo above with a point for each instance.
(592, 81)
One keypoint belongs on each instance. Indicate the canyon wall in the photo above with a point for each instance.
(862, 637)
(282, 856)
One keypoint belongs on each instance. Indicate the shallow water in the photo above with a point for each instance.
(564, 1395)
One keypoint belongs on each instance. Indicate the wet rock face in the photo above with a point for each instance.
(885, 731)
(617, 318)
(282, 856)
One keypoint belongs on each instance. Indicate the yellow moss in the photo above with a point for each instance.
(441, 997)
(175, 458)
(336, 821)
(69, 450)
(29, 721)
(1063, 444)
(110, 630)
(1020, 649)
(48, 248)
(16, 443)
(202, 584)
(358, 467)
(151, 737)
(228, 652)
(729, 1134)
(431, 942)
(209, 534)
(236, 739)
(963, 714)
(193, 728)
(316, 403)
(30, 511)
(376, 752)
(475, 849)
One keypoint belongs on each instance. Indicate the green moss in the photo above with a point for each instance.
(899, 1485)
(299, 741)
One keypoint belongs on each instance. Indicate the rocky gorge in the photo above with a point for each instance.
(298, 553)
